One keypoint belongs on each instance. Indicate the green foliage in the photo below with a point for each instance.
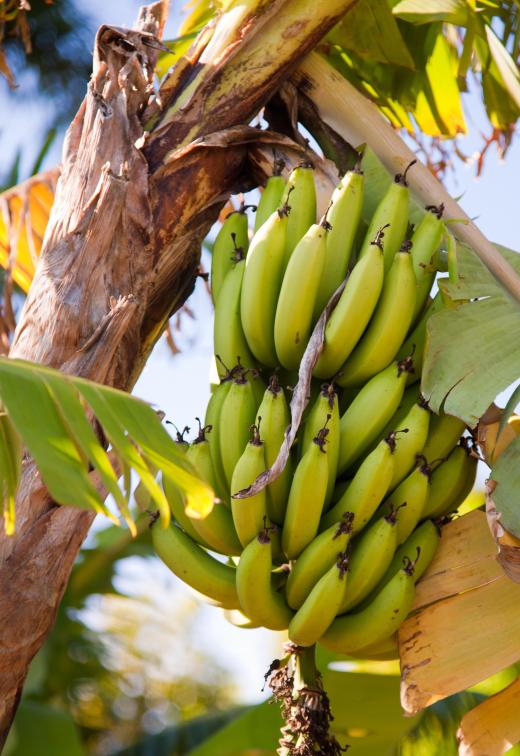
(40, 725)
(47, 409)
(472, 352)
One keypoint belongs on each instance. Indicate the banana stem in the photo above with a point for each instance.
(306, 673)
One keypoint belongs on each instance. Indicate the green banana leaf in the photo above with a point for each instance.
(42, 729)
(472, 353)
(48, 411)
(370, 31)
(426, 11)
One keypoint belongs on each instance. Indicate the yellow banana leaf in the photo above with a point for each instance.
(24, 212)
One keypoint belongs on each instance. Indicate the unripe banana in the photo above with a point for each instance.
(212, 418)
(416, 341)
(422, 544)
(368, 487)
(228, 336)
(410, 397)
(411, 441)
(249, 514)
(353, 311)
(322, 604)
(216, 528)
(426, 239)
(306, 498)
(195, 566)
(392, 211)
(385, 650)
(258, 599)
(276, 417)
(445, 431)
(236, 618)
(261, 286)
(300, 195)
(293, 320)
(199, 455)
(409, 500)
(233, 234)
(318, 557)
(270, 199)
(378, 621)
(325, 411)
(370, 558)
(449, 483)
(471, 474)
(344, 215)
(370, 411)
(388, 327)
(236, 417)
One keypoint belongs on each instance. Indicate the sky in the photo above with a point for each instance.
(180, 385)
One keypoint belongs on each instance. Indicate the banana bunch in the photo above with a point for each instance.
(331, 549)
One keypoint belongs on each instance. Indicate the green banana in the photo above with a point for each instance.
(212, 418)
(422, 542)
(317, 612)
(233, 234)
(367, 488)
(236, 417)
(236, 618)
(378, 621)
(275, 418)
(344, 215)
(217, 528)
(410, 441)
(353, 311)
(449, 482)
(293, 320)
(370, 558)
(300, 195)
(415, 343)
(385, 650)
(195, 566)
(314, 561)
(271, 197)
(249, 514)
(392, 212)
(199, 455)
(426, 239)
(229, 342)
(389, 325)
(409, 500)
(445, 432)
(370, 411)
(325, 406)
(306, 498)
(258, 599)
(261, 286)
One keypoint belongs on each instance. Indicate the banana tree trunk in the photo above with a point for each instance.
(121, 250)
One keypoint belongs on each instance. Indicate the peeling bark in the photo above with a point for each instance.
(121, 252)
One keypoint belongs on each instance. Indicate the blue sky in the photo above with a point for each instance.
(180, 386)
